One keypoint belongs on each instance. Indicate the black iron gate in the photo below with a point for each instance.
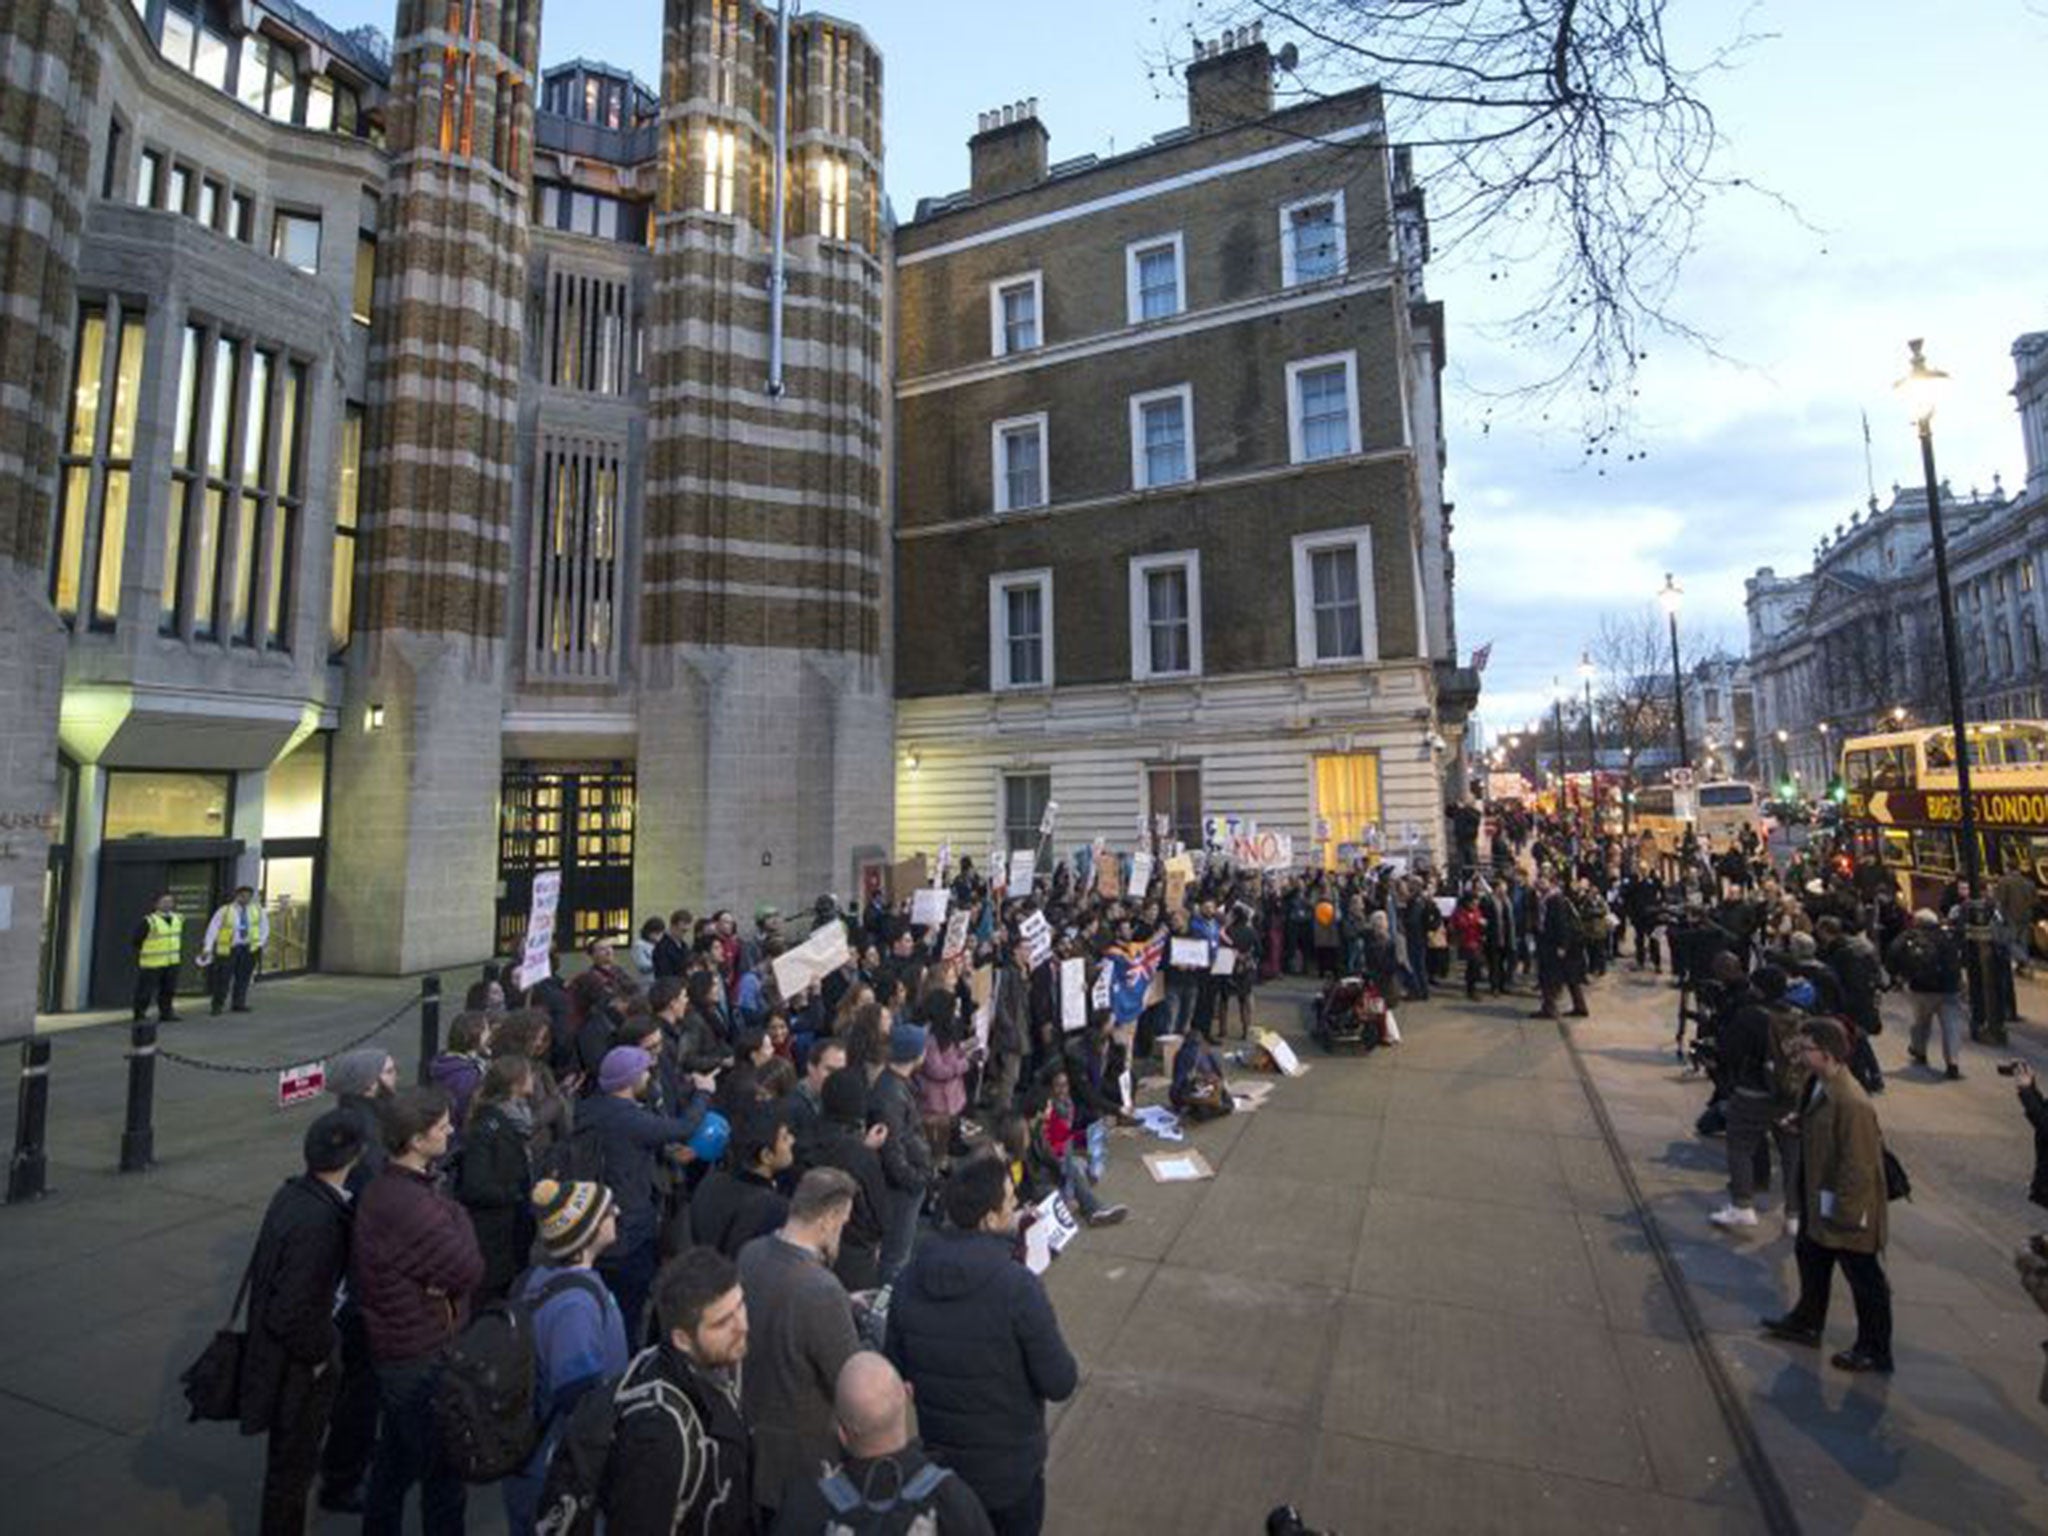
(578, 819)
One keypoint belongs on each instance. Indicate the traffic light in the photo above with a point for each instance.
(1785, 789)
(1837, 791)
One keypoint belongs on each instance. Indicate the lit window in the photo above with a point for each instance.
(148, 175)
(1312, 239)
(1166, 615)
(1335, 614)
(832, 185)
(1161, 427)
(1020, 629)
(1154, 280)
(295, 240)
(1322, 408)
(1014, 314)
(1020, 463)
(720, 150)
(348, 491)
(89, 550)
(365, 277)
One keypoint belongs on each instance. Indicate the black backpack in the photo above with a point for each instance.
(576, 1466)
(857, 1512)
(485, 1412)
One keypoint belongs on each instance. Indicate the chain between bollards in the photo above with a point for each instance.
(430, 1026)
(138, 1135)
(28, 1171)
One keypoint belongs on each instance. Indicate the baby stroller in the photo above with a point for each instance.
(1350, 1012)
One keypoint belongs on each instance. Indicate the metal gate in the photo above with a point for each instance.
(578, 819)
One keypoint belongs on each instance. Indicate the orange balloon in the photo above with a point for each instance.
(1325, 913)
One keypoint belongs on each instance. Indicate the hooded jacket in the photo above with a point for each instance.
(973, 1332)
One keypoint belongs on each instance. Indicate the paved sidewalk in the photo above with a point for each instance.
(1957, 1439)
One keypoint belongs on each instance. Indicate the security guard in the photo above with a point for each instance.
(234, 942)
(159, 941)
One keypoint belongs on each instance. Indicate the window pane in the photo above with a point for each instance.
(1158, 288)
(241, 610)
(1313, 230)
(1325, 409)
(147, 174)
(177, 38)
(348, 480)
(168, 598)
(277, 576)
(180, 196)
(127, 389)
(166, 805)
(1020, 467)
(1167, 619)
(1338, 620)
(220, 429)
(366, 277)
(293, 405)
(256, 427)
(1165, 427)
(85, 391)
(296, 240)
(70, 551)
(342, 594)
(320, 103)
(1020, 318)
(205, 572)
(210, 62)
(255, 72)
(242, 217)
(209, 203)
(106, 600)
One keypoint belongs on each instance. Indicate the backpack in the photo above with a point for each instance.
(908, 1513)
(576, 1467)
(485, 1412)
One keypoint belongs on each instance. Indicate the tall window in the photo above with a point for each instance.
(1025, 797)
(1020, 463)
(195, 48)
(287, 498)
(295, 239)
(725, 48)
(1154, 287)
(348, 501)
(365, 285)
(720, 149)
(149, 173)
(269, 78)
(1335, 616)
(99, 454)
(1020, 629)
(590, 333)
(1161, 429)
(1175, 792)
(832, 197)
(1312, 239)
(185, 490)
(1322, 408)
(575, 565)
(1166, 615)
(1013, 314)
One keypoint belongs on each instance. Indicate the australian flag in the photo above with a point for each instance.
(1132, 967)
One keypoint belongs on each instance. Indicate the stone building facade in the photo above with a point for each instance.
(1855, 643)
(1170, 526)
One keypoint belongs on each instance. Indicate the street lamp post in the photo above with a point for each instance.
(1557, 710)
(1592, 752)
(1670, 596)
(1921, 389)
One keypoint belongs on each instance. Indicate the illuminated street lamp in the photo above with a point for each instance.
(1586, 677)
(1557, 712)
(1921, 390)
(1671, 595)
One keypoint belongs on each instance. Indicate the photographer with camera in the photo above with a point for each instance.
(2036, 1109)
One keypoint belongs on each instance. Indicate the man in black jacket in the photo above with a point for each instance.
(738, 1201)
(906, 1155)
(292, 1361)
(974, 1334)
(679, 1464)
(847, 1142)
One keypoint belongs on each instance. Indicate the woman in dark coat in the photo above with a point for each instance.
(494, 1176)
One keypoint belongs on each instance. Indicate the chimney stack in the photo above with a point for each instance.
(1008, 150)
(1230, 79)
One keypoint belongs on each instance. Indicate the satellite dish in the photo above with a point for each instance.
(1289, 57)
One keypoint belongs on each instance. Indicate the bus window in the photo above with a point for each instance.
(1897, 851)
(1941, 750)
(1725, 795)
(2037, 859)
(1856, 768)
(1934, 851)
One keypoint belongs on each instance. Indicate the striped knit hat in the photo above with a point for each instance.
(569, 1213)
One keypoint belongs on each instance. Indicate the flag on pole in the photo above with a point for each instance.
(1481, 656)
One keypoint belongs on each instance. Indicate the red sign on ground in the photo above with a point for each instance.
(301, 1085)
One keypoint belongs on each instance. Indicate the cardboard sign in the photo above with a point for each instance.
(1180, 873)
(998, 868)
(813, 960)
(928, 906)
(945, 862)
(1225, 963)
(1282, 1054)
(1073, 994)
(1037, 935)
(1109, 876)
(1052, 1227)
(956, 936)
(982, 986)
(1178, 1167)
(1141, 874)
(301, 1085)
(1098, 995)
(905, 878)
(1189, 955)
(1023, 865)
(1260, 850)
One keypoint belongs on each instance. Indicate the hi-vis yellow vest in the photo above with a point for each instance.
(164, 945)
(224, 940)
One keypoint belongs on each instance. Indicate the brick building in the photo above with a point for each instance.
(1170, 526)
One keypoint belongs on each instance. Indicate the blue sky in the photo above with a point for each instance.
(1903, 133)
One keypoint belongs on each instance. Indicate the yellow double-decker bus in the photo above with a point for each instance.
(1902, 806)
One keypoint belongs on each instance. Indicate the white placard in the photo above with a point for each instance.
(1098, 995)
(945, 862)
(1023, 865)
(1037, 933)
(1073, 993)
(1281, 1052)
(1050, 819)
(985, 1010)
(540, 929)
(1141, 874)
(1225, 963)
(1123, 1089)
(817, 957)
(928, 906)
(956, 935)
(1190, 955)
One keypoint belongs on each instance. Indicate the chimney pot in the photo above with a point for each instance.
(1230, 81)
(1009, 152)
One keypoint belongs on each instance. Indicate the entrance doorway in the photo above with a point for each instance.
(578, 819)
(198, 872)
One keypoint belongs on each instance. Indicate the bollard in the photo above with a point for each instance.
(138, 1136)
(430, 1026)
(27, 1173)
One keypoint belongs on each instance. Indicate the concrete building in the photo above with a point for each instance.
(1855, 643)
(1170, 525)
(394, 499)
(1720, 718)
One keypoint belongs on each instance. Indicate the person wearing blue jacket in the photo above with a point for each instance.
(974, 1334)
(628, 1135)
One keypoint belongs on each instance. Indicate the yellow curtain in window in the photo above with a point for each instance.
(1347, 798)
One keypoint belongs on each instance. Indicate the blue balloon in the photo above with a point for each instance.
(710, 1140)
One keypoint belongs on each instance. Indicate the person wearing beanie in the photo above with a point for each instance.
(579, 1334)
(906, 1154)
(626, 1137)
(360, 1080)
(290, 1364)
(844, 1140)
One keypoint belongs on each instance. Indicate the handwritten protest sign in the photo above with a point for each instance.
(540, 928)
(1141, 873)
(1073, 993)
(1190, 955)
(1109, 872)
(813, 960)
(1037, 935)
(928, 906)
(1023, 865)
(956, 936)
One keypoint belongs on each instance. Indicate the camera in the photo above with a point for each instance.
(2008, 1068)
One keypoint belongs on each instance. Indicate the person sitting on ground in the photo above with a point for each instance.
(1198, 1091)
(885, 1471)
(1052, 1114)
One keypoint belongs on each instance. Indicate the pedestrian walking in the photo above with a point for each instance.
(1929, 960)
(1842, 1189)
(233, 946)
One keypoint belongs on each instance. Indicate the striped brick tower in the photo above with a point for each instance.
(49, 79)
(765, 575)
(415, 794)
